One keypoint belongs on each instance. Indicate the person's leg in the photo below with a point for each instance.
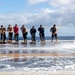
(31, 37)
(56, 37)
(43, 37)
(23, 36)
(40, 36)
(26, 36)
(34, 38)
(11, 35)
(8, 36)
(52, 38)
(1, 36)
(4, 37)
(17, 37)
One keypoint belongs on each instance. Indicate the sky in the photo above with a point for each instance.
(37, 12)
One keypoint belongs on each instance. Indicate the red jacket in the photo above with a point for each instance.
(16, 29)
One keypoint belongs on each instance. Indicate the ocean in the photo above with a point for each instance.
(49, 38)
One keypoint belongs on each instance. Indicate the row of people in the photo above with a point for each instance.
(15, 29)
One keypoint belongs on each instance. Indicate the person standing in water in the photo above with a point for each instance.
(3, 34)
(16, 33)
(53, 30)
(32, 32)
(24, 33)
(10, 33)
(41, 33)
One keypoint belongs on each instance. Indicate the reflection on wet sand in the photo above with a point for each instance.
(51, 56)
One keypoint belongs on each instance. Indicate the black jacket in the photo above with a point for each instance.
(41, 30)
(32, 31)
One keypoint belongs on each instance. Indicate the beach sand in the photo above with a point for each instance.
(38, 73)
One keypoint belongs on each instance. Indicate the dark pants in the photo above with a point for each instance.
(10, 35)
(54, 36)
(16, 37)
(33, 37)
(42, 36)
(3, 36)
(25, 36)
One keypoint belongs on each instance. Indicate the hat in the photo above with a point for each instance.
(1, 25)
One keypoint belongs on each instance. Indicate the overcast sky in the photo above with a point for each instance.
(36, 12)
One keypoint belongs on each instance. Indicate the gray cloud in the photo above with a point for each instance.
(63, 16)
(33, 2)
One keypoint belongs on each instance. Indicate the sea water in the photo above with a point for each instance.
(57, 56)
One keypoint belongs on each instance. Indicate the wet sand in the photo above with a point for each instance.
(38, 73)
(56, 53)
(24, 55)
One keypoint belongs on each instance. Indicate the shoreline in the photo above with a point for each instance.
(37, 41)
(45, 40)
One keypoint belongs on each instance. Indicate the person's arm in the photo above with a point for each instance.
(4, 30)
(0, 30)
(38, 29)
(17, 30)
(30, 31)
(51, 30)
(55, 32)
(43, 29)
(24, 30)
(8, 29)
(12, 29)
(35, 30)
